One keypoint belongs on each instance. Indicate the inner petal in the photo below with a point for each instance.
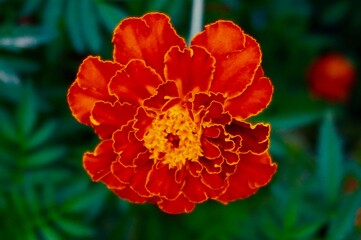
(174, 138)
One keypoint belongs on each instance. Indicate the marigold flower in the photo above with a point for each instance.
(172, 118)
(330, 77)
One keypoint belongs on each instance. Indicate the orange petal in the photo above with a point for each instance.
(254, 138)
(147, 38)
(161, 181)
(98, 163)
(142, 122)
(165, 93)
(236, 70)
(127, 145)
(180, 205)
(106, 118)
(220, 38)
(252, 101)
(134, 83)
(191, 68)
(253, 171)
(90, 86)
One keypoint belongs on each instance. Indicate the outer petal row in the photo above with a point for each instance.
(90, 86)
(148, 38)
(237, 56)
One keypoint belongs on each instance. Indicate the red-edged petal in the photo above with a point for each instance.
(165, 93)
(142, 122)
(106, 118)
(134, 83)
(121, 172)
(140, 178)
(180, 205)
(127, 145)
(91, 86)
(130, 195)
(194, 189)
(191, 68)
(147, 38)
(254, 138)
(220, 38)
(98, 164)
(253, 171)
(252, 101)
(161, 181)
(210, 150)
(259, 169)
(236, 70)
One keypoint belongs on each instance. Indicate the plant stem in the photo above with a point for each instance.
(197, 18)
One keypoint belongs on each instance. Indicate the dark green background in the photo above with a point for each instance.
(46, 194)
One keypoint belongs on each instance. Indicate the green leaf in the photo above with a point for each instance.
(7, 73)
(343, 221)
(110, 15)
(89, 25)
(23, 37)
(49, 233)
(74, 228)
(72, 20)
(30, 7)
(329, 160)
(43, 134)
(27, 110)
(294, 120)
(45, 156)
(307, 230)
(7, 127)
(51, 14)
(89, 199)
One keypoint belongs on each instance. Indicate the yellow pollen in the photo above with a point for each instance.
(174, 138)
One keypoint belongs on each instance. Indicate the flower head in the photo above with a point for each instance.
(172, 118)
(331, 76)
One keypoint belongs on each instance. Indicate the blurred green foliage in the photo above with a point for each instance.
(45, 193)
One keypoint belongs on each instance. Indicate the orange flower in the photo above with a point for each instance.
(172, 118)
(331, 76)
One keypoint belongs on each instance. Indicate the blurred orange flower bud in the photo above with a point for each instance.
(330, 77)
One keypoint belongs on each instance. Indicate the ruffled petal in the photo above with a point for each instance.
(98, 164)
(134, 83)
(106, 118)
(127, 145)
(140, 178)
(147, 38)
(165, 93)
(194, 189)
(253, 171)
(180, 205)
(161, 181)
(252, 101)
(191, 68)
(236, 70)
(259, 169)
(254, 138)
(122, 172)
(130, 195)
(90, 86)
(220, 38)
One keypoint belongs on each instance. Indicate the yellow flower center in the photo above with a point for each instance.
(174, 138)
